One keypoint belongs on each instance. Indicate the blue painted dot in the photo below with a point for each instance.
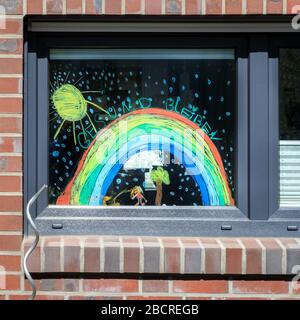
(196, 95)
(227, 114)
(119, 181)
(55, 154)
(196, 75)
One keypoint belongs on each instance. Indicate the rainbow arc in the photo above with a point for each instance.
(148, 129)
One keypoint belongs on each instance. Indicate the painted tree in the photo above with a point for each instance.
(159, 176)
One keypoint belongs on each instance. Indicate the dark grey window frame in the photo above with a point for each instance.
(256, 213)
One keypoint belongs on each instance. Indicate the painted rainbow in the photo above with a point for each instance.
(141, 130)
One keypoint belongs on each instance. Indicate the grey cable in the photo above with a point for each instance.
(35, 242)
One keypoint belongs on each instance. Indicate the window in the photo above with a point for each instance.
(290, 127)
(142, 127)
(172, 132)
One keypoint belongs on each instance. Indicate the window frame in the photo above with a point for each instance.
(276, 211)
(254, 214)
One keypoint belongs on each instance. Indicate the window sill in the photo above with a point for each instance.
(153, 255)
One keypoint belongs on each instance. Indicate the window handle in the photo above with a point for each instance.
(35, 242)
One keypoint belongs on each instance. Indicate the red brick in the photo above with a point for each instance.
(233, 256)
(34, 261)
(153, 7)
(155, 285)
(200, 286)
(10, 242)
(11, 46)
(153, 298)
(12, 282)
(10, 223)
(255, 7)
(111, 285)
(131, 259)
(75, 6)
(172, 260)
(113, 7)
(10, 144)
(274, 6)
(9, 85)
(212, 256)
(173, 7)
(198, 298)
(11, 65)
(11, 125)
(213, 6)
(11, 105)
(10, 203)
(10, 183)
(133, 6)
(52, 260)
(71, 285)
(54, 6)
(260, 287)
(93, 6)
(34, 6)
(10, 263)
(10, 164)
(92, 259)
(127, 240)
(233, 261)
(18, 297)
(51, 285)
(49, 297)
(71, 258)
(193, 7)
(233, 7)
(253, 256)
(291, 6)
(2, 297)
(13, 7)
(95, 297)
(12, 26)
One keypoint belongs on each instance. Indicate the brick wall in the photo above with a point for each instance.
(241, 269)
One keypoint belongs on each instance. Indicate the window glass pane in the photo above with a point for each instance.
(142, 127)
(289, 127)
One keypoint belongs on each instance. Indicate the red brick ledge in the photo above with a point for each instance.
(93, 254)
